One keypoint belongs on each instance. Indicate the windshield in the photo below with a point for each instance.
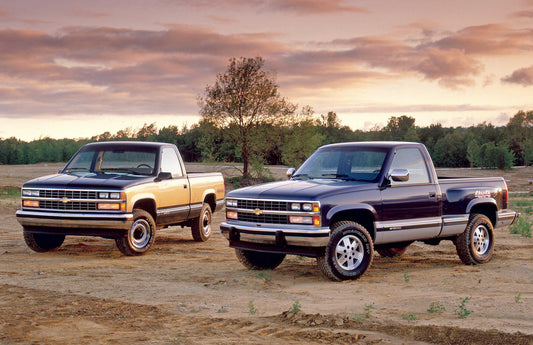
(347, 163)
(134, 161)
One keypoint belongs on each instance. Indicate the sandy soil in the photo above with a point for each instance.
(184, 292)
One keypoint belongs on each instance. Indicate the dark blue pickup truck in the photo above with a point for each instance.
(350, 199)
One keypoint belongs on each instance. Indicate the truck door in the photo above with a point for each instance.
(173, 204)
(411, 209)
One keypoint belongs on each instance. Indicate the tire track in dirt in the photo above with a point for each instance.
(45, 317)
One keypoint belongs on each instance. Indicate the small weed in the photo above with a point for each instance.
(296, 307)
(461, 310)
(409, 317)
(366, 315)
(265, 275)
(406, 277)
(522, 227)
(222, 309)
(435, 307)
(251, 308)
(479, 281)
(518, 297)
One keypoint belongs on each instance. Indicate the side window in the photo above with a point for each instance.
(412, 160)
(170, 162)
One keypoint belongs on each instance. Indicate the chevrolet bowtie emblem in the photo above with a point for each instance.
(65, 200)
(258, 212)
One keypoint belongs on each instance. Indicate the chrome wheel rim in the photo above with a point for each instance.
(206, 223)
(140, 234)
(349, 252)
(481, 240)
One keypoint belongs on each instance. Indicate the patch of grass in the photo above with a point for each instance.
(522, 227)
(222, 309)
(406, 277)
(9, 192)
(461, 310)
(364, 316)
(436, 308)
(265, 275)
(296, 307)
(518, 297)
(251, 308)
(409, 317)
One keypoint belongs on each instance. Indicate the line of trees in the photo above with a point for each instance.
(483, 145)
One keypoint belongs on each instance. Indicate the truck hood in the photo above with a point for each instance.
(300, 189)
(91, 181)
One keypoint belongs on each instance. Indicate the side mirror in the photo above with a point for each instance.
(163, 176)
(290, 172)
(399, 175)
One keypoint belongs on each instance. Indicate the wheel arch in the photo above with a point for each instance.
(211, 199)
(362, 214)
(487, 207)
(147, 205)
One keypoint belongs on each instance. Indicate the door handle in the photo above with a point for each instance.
(432, 194)
(184, 186)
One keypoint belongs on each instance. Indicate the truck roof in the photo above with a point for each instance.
(129, 144)
(376, 144)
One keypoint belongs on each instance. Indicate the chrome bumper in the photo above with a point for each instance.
(64, 220)
(298, 237)
(507, 217)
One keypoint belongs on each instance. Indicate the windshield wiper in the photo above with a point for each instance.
(342, 176)
(75, 169)
(122, 170)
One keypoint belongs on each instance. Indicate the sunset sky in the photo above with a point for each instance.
(80, 68)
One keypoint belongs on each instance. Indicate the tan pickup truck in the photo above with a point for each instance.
(119, 190)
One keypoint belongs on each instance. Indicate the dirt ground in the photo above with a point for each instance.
(184, 292)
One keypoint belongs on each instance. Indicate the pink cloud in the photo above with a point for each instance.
(522, 76)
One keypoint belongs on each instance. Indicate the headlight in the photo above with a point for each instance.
(295, 207)
(30, 192)
(114, 195)
(231, 203)
(307, 207)
(103, 195)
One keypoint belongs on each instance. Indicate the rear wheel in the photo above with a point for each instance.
(43, 242)
(201, 226)
(476, 244)
(349, 252)
(259, 260)
(140, 235)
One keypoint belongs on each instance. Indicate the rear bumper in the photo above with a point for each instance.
(75, 223)
(507, 217)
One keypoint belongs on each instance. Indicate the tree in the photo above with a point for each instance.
(242, 99)
(519, 131)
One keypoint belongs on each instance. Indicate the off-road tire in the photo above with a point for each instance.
(349, 252)
(43, 242)
(476, 244)
(259, 260)
(140, 237)
(393, 250)
(201, 228)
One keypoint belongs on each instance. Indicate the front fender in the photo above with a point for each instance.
(350, 208)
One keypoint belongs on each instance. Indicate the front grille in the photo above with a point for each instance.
(263, 218)
(70, 194)
(68, 206)
(264, 205)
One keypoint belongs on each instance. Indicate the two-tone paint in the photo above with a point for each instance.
(171, 200)
(391, 212)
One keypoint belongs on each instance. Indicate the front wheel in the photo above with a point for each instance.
(259, 260)
(140, 235)
(476, 244)
(43, 242)
(349, 252)
(201, 226)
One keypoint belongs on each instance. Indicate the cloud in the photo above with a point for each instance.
(522, 76)
(312, 6)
